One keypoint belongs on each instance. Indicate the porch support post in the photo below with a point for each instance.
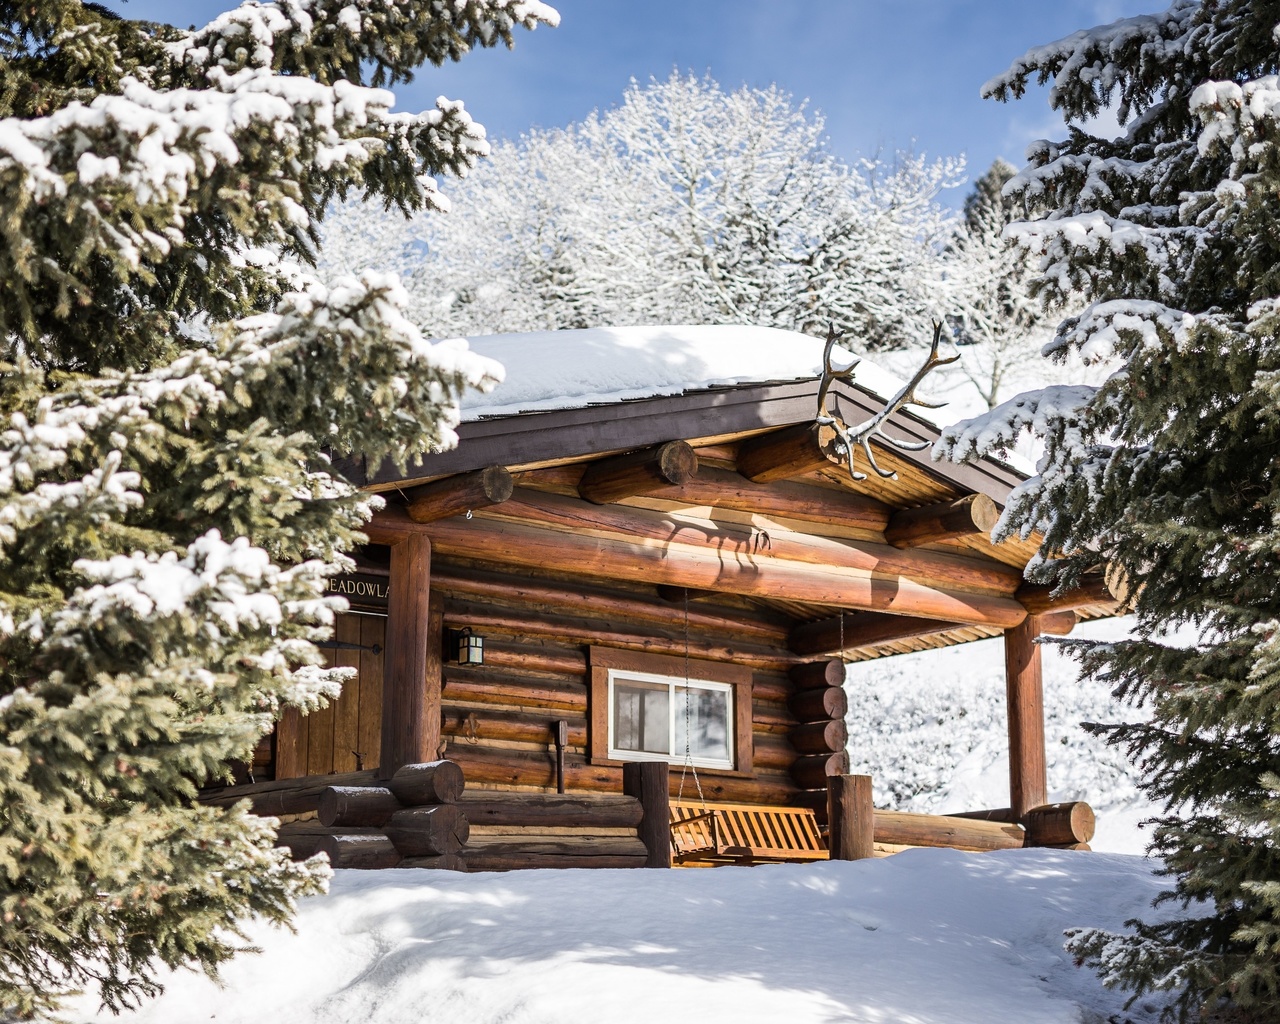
(1024, 690)
(411, 681)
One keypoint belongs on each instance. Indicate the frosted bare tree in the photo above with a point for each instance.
(683, 204)
(984, 295)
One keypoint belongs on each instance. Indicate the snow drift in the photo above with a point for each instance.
(925, 937)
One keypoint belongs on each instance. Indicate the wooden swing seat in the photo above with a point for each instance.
(743, 834)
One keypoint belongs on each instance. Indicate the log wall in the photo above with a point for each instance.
(498, 719)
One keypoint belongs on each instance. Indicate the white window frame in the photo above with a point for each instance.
(674, 702)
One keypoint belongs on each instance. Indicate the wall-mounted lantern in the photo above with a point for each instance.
(465, 647)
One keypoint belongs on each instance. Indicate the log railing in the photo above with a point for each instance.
(857, 830)
(421, 817)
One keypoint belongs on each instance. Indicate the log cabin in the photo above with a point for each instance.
(610, 627)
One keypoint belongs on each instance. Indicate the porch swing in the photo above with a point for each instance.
(708, 834)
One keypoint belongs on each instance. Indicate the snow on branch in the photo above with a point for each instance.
(1088, 66)
(999, 429)
(339, 39)
(1100, 332)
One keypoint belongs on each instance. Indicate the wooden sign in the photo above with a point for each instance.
(365, 591)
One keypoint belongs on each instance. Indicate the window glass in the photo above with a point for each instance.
(642, 717)
(660, 717)
(708, 722)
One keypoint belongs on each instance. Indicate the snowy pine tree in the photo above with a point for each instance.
(1167, 474)
(173, 385)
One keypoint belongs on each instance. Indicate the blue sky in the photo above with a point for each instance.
(888, 74)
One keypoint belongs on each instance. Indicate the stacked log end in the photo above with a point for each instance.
(819, 703)
(422, 818)
(412, 821)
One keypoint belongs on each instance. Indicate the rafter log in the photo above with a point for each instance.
(860, 630)
(970, 516)
(647, 471)
(1040, 599)
(747, 545)
(785, 453)
(454, 495)
(700, 563)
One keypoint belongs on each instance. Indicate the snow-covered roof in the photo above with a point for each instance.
(548, 370)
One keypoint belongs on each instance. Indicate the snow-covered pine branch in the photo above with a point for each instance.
(173, 389)
(1166, 476)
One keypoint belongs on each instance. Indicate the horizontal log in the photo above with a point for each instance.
(769, 717)
(810, 772)
(702, 565)
(1040, 599)
(537, 658)
(577, 630)
(786, 453)
(559, 846)
(826, 737)
(302, 839)
(814, 705)
(1079, 847)
(510, 726)
(441, 862)
(768, 686)
(495, 766)
(428, 831)
(572, 598)
(723, 489)
(646, 471)
(549, 833)
(817, 675)
(906, 829)
(550, 810)
(1004, 814)
(772, 750)
(747, 544)
(225, 796)
(484, 686)
(488, 861)
(457, 494)
(367, 806)
(972, 515)
(434, 782)
(861, 630)
(1056, 623)
(1060, 824)
(359, 851)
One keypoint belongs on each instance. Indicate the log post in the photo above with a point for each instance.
(1024, 691)
(851, 817)
(411, 681)
(648, 781)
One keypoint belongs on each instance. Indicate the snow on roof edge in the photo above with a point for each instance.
(572, 369)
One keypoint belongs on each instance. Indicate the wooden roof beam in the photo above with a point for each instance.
(970, 516)
(783, 454)
(647, 471)
(454, 495)
(699, 564)
(1040, 599)
(826, 637)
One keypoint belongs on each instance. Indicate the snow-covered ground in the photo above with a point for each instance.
(925, 937)
(930, 728)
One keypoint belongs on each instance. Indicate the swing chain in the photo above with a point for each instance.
(688, 765)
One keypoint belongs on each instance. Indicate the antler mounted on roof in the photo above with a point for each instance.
(861, 435)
